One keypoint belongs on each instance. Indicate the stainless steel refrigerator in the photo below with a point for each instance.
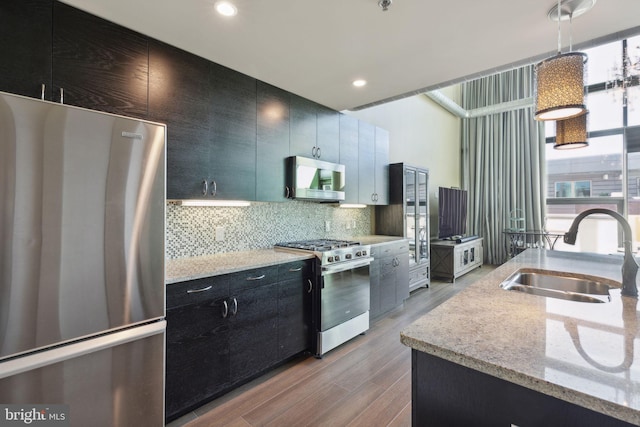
(82, 296)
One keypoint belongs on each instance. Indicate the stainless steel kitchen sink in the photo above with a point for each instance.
(558, 285)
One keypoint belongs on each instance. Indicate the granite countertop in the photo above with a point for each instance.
(583, 353)
(183, 269)
(377, 239)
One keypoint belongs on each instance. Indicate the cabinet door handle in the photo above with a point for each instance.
(42, 89)
(61, 96)
(310, 288)
(256, 277)
(195, 291)
(318, 152)
(373, 197)
(214, 188)
(234, 311)
(225, 312)
(287, 192)
(295, 269)
(313, 152)
(205, 187)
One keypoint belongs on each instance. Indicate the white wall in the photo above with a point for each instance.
(421, 134)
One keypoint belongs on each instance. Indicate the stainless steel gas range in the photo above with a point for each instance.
(340, 295)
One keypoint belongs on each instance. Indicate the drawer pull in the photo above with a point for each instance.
(225, 312)
(295, 269)
(195, 291)
(256, 278)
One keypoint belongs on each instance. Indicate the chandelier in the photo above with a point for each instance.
(622, 76)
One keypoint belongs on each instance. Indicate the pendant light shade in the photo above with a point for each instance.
(559, 89)
(571, 133)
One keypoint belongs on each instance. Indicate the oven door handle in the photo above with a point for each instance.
(345, 266)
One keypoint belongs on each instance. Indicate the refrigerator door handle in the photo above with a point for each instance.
(49, 357)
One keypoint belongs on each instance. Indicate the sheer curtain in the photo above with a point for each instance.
(503, 162)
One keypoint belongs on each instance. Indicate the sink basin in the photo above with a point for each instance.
(559, 285)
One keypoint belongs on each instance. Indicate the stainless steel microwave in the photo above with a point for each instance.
(312, 179)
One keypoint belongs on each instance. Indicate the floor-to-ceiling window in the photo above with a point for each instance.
(607, 173)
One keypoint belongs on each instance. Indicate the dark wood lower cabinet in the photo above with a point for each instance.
(223, 331)
(389, 276)
(197, 359)
(294, 311)
(253, 336)
(447, 394)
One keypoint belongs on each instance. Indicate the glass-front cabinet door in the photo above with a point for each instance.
(407, 215)
(422, 219)
(410, 212)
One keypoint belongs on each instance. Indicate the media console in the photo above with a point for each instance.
(451, 259)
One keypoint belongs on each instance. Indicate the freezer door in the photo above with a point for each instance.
(81, 223)
(112, 380)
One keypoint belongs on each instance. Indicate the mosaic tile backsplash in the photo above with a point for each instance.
(191, 231)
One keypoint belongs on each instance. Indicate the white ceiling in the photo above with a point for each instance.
(317, 48)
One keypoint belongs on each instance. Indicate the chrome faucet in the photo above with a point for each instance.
(629, 265)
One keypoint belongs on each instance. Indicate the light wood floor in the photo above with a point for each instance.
(364, 382)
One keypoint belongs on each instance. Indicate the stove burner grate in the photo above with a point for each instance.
(318, 245)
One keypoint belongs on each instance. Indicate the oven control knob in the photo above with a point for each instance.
(337, 257)
(348, 256)
(364, 253)
(330, 259)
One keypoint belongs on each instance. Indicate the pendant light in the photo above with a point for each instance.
(559, 89)
(571, 133)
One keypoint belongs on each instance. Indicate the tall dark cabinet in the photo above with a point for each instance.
(25, 47)
(233, 124)
(407, 215)
(272, 142)
(100, 65)
(178, 81)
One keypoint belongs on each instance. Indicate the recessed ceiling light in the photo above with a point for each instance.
(359, 83)
(226, 9)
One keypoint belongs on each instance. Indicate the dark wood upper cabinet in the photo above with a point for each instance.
(272, 143)
(228, 135)
(349, 156)
(328, 139)
(373, 164)
(315, 130)
(304, 130)
(25, 47)
(100, 65)
(381, 167)
(366, 162)
(233, 122)
(179, 97)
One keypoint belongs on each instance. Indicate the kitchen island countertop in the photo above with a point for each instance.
(582, 353)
